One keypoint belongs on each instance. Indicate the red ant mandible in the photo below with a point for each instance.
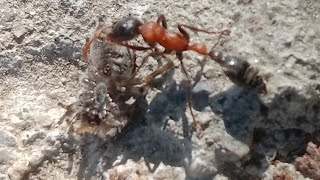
(155, 33)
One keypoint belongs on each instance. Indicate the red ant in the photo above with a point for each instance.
(156, 33)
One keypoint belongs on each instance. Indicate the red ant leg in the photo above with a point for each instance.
(86, 47)
(184, 32)
(155, 52)
(201, 48)
(223, 32)
(162, 19)
(67, 107)
(144, 60)
(160, 70)
(150, 77)
(189, 96)
(134, 47)
(133, 58)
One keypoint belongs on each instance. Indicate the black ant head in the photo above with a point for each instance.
(126, 29)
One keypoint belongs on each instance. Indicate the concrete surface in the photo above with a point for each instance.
(40, 64)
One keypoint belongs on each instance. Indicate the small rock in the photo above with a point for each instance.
(32, 13)
(204, 86)
(15, 119)
(36, 158)
(32, 136)
(205, 117)
(4, 177)
(220, 177)
(211, 72)
(44, 121)
(6, 155)
(199, 168)
(235, 149)
(7, 139)
(290, 62)
(19, 31)
(7, 17)
(18, 170)
(55, 136)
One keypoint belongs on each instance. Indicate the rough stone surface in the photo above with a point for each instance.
(246, 135)
(309, 164)
(7, 139)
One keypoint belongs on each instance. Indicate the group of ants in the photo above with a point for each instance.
(104, 109)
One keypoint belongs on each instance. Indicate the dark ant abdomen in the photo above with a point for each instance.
(240, 72)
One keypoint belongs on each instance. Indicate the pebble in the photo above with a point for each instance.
(204, 86)
(290, 62)
(6, 155)
(205, 117)
(7, 139)
(44, 120)
(32, 136)
(211, 72)
(15, 119)
(19, 31)
(4, 176)
(18, 170)
(7, 17)
(36, 158)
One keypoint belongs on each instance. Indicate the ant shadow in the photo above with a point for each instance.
(139, 139)
(279, 129)
(144, 136)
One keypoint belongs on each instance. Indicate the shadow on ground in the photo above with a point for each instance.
(279, 129)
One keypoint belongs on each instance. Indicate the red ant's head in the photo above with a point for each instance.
(125, 29)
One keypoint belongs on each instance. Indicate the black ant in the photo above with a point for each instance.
(240, 72)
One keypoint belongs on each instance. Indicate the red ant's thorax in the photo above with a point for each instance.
(155, 33)
(151, 32)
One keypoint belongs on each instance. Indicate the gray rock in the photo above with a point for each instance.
(18, 170)
(7, 155)
(4, 176)
(6, 16)
(7, 139)
(33, 135)
(19, 31)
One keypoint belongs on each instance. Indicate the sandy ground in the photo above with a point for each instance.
(246, 135)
